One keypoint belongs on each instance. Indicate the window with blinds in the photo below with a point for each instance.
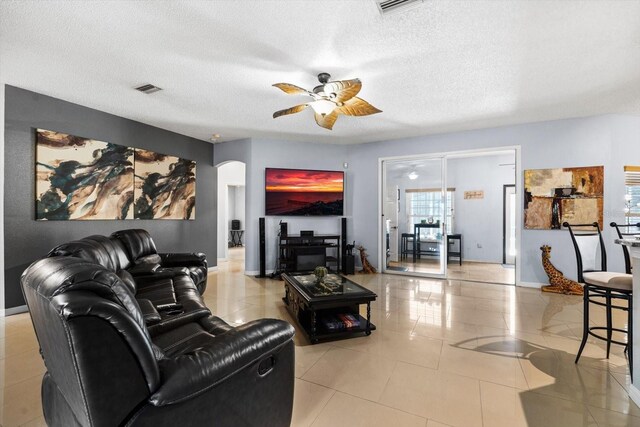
(427, 202)
(632, 198)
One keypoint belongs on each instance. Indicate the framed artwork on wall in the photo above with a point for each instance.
(553, 196)
(164, 186)
(82, 179)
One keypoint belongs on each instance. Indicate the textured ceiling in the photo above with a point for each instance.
(443, 66)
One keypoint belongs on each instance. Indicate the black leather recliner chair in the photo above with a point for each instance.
(105, 369)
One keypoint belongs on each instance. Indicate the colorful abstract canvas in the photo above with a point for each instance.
(82, 179)
(554, 196)
(303, 192)
(164, 186)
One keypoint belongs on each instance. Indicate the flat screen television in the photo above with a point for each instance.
(303, 192)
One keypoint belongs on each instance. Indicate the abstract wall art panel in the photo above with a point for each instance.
(82, 179)
(553, 196)
(164, 186)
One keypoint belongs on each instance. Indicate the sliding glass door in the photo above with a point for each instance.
(416, 214)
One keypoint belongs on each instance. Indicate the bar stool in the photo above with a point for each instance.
(405, 239)
(600, 284)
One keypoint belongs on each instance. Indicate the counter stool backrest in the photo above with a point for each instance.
(624, 230)
(587, 241)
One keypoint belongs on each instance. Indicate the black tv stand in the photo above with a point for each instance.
(291, 246)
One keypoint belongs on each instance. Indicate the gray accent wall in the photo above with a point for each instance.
(27, 239)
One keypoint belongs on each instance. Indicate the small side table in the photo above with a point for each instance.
(236, 237)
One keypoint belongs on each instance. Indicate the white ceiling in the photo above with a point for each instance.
(443, 66)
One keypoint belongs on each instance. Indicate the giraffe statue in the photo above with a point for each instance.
(558, 283)
(366, 265)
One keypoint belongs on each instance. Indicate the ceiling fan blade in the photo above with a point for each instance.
(291, 89)
(344, 89)
(357, 107)
(327, 120)
(292, 110)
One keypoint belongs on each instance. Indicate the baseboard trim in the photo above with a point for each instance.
(634, 394)
(214, 268)
(256, 272)
(13, 310)
(535, 285)
(473, 261)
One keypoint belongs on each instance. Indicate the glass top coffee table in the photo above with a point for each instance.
(330, 309)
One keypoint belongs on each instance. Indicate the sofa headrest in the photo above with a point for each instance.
(50, 277)
(102, 250)
(138, 243)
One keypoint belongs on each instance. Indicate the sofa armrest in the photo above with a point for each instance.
(183, 259)
(193, 373)
(175, 321)
(143, 278)
(143, 269)
(149, 312)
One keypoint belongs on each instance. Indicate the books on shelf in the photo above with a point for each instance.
(340, 321)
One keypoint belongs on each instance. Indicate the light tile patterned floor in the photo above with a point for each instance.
(446, 353)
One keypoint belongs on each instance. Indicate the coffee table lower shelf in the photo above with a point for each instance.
(325, 335)
(310, 321)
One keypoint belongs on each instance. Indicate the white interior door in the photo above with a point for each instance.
(509, 225)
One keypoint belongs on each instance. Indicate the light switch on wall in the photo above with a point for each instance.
(479, 245)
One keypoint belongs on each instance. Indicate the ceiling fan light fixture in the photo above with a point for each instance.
(322, 106)
(413, 175)
(330, 100)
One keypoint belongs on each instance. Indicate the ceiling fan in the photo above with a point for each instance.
(329, 100)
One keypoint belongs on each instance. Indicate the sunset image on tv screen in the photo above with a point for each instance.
(303, 192)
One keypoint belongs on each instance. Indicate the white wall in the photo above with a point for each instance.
(235, 208)
(229, 174)
(480, 220)
(611, 140)
(239, 206)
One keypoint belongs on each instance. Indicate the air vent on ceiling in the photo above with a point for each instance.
(391, 6)
(148, 88)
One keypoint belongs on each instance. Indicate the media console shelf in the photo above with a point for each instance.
(304, 253)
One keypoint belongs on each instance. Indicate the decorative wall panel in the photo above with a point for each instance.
(164, 186)
(553, 196)
(82, 179)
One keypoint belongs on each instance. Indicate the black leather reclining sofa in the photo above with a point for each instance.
(115, 356)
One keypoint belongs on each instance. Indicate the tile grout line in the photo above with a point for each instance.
(481, 404)
(324, 406)
(314, 363)
(365, 399)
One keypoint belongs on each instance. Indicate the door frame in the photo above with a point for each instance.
(450, 154)
(504, 221)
